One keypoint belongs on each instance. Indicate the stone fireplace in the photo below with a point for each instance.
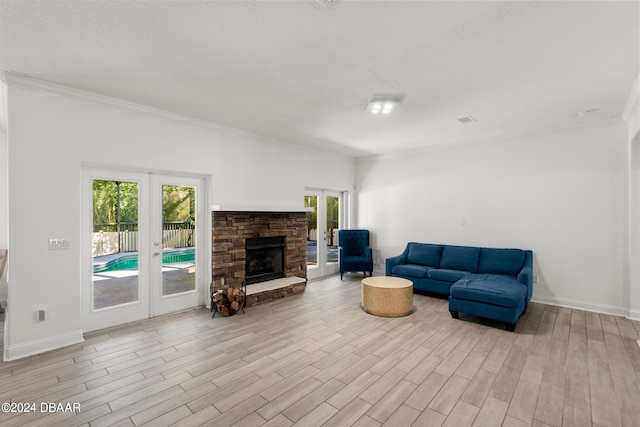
(267, 250)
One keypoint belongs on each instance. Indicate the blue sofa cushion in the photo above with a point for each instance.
(463, 258)
(492, 289)
(411, 270)
(501, 261)
(446, 275)
(424, 254)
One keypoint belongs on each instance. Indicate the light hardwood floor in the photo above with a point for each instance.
(318, 359)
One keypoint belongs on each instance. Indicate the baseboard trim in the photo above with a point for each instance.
(567, 303)
(30, 348)
(582, 305)
(633, 315)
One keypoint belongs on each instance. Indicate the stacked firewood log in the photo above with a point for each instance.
(228, 301)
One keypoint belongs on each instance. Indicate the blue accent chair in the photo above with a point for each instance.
(354, 251)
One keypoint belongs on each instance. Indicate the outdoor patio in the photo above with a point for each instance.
(117, 287)
(312, 253)
(121, 286)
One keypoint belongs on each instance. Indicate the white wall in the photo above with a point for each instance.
(561, 194)
(4, 291)
(51, 136)
(3, 208)
(631, 114)
(633, 268)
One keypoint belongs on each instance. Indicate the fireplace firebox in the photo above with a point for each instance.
(265, 259)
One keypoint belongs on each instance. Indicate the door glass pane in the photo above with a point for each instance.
(115, 243)
(311, 201)
(178, 239)
(333, 212)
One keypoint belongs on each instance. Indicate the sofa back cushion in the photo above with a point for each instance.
(424, 254)
(501, 261)
(463, 258)
(446, 275)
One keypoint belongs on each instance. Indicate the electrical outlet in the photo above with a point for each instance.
(535, 278)
(58, 244)
(42, 315)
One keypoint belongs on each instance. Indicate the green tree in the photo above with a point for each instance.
(105, 204)
(178, 203)
(312, 217)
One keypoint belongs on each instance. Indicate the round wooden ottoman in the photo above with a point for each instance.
(387, 296)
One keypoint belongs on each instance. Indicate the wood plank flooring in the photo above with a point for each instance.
(318, 359)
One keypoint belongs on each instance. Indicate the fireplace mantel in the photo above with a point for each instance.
(245, 208)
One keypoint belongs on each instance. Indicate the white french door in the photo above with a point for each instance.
(143, 253)
(323, 223)
(177, 234)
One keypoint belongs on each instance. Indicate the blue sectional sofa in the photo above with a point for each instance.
(493, 283)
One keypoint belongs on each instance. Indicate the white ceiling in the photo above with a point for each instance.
(303, 71)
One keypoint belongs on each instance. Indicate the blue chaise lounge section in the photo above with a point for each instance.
(494, 283)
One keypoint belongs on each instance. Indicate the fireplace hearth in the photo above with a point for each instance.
(265, 259)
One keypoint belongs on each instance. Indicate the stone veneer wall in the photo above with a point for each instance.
(231, 229)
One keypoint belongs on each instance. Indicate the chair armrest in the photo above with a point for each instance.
(368, 253)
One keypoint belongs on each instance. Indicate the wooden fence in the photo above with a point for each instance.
(107, 242)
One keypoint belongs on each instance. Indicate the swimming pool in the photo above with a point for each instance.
(130, 262)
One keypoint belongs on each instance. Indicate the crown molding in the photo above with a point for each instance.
(42, 86)
(501, 137)
(631, 110)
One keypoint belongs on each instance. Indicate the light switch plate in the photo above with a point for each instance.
(58, 244)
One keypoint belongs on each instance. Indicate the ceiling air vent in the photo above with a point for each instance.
(585, 113)
(467, 119)
(323, 3)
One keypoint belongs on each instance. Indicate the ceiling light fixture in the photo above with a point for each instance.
(384, 107)
(384, 104)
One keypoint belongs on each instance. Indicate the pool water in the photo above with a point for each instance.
(128, 262)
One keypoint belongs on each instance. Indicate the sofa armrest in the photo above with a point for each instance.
(525, 276)
(392, 262)
(396, 260)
